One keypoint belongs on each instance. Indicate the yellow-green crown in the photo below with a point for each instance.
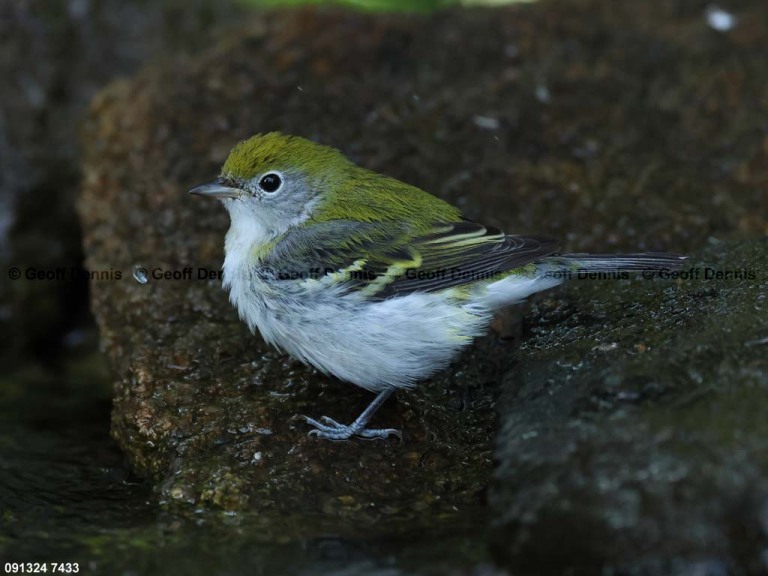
(276, 151)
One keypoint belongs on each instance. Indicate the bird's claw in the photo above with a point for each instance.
(331, 422)
(328, 429)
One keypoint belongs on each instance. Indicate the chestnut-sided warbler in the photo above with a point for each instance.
(367, 278)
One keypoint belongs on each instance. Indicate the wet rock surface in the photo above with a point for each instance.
(633, 432)
(613, 126)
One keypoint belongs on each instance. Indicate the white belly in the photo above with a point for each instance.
(376, 345)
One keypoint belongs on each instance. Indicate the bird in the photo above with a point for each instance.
(367, 278)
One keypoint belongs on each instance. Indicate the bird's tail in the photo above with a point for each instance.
(644, 261)
(553, 270)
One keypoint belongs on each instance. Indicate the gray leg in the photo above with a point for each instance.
(331, 430)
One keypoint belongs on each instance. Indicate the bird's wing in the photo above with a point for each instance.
(382, 261)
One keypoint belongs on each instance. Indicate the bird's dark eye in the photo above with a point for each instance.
(270, 182)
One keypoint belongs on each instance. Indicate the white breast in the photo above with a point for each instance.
(374, 344)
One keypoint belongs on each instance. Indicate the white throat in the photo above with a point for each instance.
(243, 237)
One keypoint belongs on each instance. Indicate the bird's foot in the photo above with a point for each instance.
(329, 429)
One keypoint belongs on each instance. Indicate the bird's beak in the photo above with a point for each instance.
(216, 190)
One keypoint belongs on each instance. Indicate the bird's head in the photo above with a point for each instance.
(273, 181)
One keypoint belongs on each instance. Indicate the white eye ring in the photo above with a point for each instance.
(271, 182)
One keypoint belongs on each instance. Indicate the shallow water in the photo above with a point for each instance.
(62, 481)
(66, 495)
